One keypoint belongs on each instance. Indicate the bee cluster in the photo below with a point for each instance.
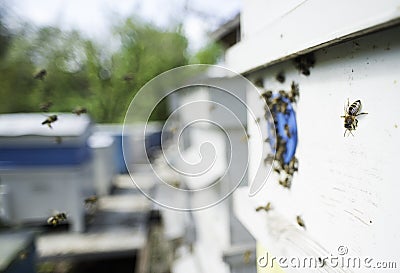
(303, 63)
(279, 104)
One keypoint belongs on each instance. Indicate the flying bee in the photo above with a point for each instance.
(91, 200)
(56, 219)
(258, 120)
(300, 222)
(266, 207)
(127, 77)
(247, 256)
(79, 110)
(40, 75)
(45, 106)
(49, 120)
(351, 112)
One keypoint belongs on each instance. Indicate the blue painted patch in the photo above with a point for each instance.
(281, 120)
(14, 157)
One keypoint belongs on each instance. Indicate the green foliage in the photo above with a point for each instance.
(209, 54)
(81, 73)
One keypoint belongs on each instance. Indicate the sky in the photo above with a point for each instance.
(94, 17)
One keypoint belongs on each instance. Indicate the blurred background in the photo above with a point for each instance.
(68, 72)
(95, 50)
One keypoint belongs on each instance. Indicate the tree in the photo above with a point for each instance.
(209, 54)
(145, 52)
(81, 73)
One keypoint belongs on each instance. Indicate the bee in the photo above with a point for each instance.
(283, 94)
(304, 63)
(294, 164)
(245, 137)
(267, 95)
(259, 82)
(287, 131)
(277, 170)
(176, 184)
(269, 159)
(350, 120)
(91, 200)
(40, 75)
(49, 120)
(79, 110)
(300, 222)
(23, 255)
(127, 77)
(247, 256)
(45, 106)
(286, 183)
(258, 120)
(266, 207)
(280, 77)
(294, 92)
(56, 219)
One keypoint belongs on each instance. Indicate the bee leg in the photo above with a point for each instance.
(362, 114)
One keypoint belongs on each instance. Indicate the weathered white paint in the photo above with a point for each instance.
(347, 188)
(274, 30)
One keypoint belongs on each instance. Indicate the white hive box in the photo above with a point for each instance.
(42, 174)
(346, 188)
(214, 113)
(104, 167)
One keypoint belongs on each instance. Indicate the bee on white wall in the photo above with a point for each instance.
(350, 118)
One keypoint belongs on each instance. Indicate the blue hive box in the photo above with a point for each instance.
(45, 169)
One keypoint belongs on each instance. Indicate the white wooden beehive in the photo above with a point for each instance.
(346, 187)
